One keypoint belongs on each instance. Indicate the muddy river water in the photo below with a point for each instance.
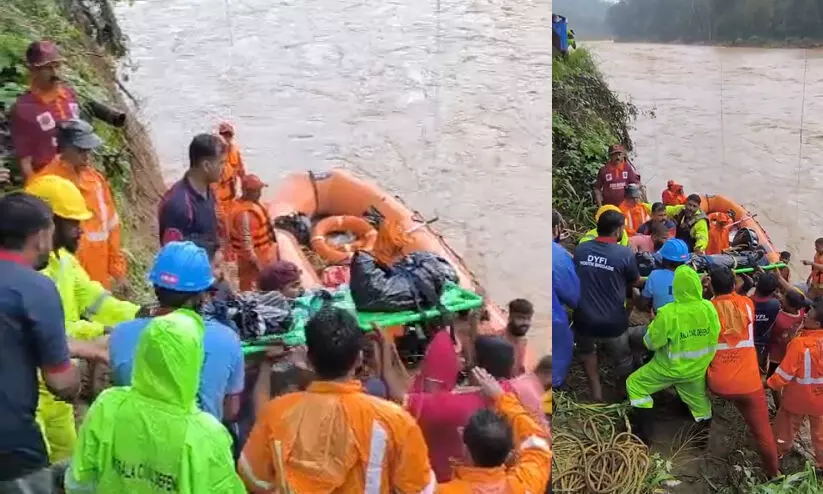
(445, 102)
(728, 121)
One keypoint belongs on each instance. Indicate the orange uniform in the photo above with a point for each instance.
(719, 229)
(335, 438)
(734, 373)
(252, 239)
(800, 377)
(816, 277)
(225, 190)
(99, 251)
(636, 214)
(530, 474)
(673, 195)
(734, 369)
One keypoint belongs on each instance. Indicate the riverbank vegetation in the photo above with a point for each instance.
(92, 43)
(732, 22)
(586, 118)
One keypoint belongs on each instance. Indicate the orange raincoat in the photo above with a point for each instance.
(335, 438)
(734, 369)
(225, 190)
(720, 226)
(99, 251)
(636, 215)
(530, 474)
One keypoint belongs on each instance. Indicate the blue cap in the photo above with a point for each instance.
(183, 267)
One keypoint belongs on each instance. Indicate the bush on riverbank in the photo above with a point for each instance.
(586, 118)
(91, 43)
(735, 22)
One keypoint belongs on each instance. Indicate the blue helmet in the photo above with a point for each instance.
(674, 250)
(183, 267)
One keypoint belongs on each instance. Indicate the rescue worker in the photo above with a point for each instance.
(36, 113)
(692, 224)
(606, 271)
(281, 276)
(99, 252)
(188, 210)
(815, 280)
(658, 216)
(734, 373)
(613, 177)
(673, 195)
(333, 437)
(33, 331)
(490, 436)
(150, 437)
(592, 234)
(657, 290)
(800, 378)
(766, 309)
(225, 190)
(565, 293)
(634, 209)
(683, 337)
(720, 225)
(89, 309)
(251, 233)
(571, 40)
(182, 276)
(521, 312)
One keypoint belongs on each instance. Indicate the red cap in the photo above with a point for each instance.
(253, 182)
(42, 53)
(225, 128)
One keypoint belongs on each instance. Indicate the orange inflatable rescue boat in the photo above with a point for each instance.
(338, 205)
(726, 217)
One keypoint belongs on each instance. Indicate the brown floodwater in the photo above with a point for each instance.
(728, 121)
(444, 102)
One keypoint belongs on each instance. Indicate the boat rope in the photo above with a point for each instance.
(800, 141)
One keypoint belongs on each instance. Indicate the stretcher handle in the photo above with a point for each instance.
(764, 268)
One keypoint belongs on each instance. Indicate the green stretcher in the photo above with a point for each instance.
(454, 298)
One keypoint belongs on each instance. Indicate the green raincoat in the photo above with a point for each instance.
(150, 438)
(683, 336)
(88, 309)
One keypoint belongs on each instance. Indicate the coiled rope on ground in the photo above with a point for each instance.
(598, 458)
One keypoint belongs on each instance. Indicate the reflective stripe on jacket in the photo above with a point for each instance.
(99, 251)
(335, 438)
(252, 233)
(150, 438)
(684, 333)
(800, 374)
(530, 473)
(734, 369)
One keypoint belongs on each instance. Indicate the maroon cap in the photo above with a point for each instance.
(277, 276)
(42, 53)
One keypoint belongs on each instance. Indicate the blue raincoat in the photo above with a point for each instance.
(565, 293)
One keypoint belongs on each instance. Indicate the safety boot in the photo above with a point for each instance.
(642, 422)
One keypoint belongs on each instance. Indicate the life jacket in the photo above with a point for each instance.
(635, 216)
(684, 226)
(720, 226)
(734, 369)
(261, 229)
(671, 198)
(816, 278)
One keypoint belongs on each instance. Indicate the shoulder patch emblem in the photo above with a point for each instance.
(46, 121)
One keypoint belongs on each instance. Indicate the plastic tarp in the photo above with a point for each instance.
(454, 298)
(560, 33)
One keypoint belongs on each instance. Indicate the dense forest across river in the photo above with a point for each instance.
(750, 22)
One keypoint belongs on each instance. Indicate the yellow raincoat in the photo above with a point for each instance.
(89, 308)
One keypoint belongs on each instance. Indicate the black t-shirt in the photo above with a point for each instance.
(32, 336)
(605, 269)
(766, 310)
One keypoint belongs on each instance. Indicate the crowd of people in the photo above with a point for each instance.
(718, 333)
(183, 412)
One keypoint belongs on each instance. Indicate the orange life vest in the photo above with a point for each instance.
(671, 198)
(635, 216)
(719, 229)
(816, 278)
(260, 228)
(734, 369)
(226, 188)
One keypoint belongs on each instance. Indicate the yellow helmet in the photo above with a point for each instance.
(61, 195)
(603, 209)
